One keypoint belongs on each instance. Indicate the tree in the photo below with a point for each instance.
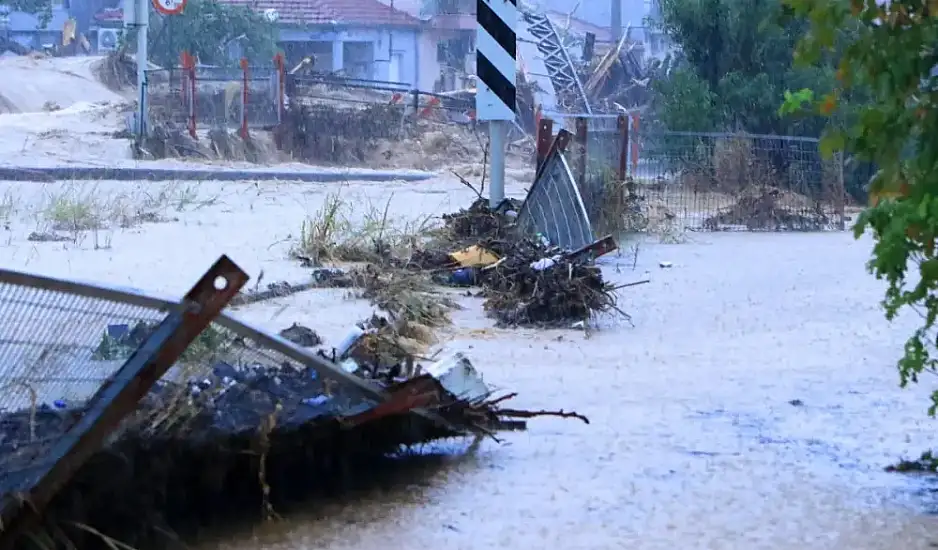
(893, 58)
(206, 29)
(738, 63)
(42, 9)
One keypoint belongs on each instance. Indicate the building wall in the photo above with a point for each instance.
(392, 47)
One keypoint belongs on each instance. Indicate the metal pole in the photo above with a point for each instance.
(142, 25)
(616, 21)
(498, 130)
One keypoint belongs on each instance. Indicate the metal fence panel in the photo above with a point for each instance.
(53, 358)
(554, 207)
(74, 360)
(717, 181)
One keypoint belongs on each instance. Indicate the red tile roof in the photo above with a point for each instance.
(331, 12)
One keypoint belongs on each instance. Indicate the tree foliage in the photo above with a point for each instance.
(42, 9)
(738, 64)
(893, 57)
(207, 29)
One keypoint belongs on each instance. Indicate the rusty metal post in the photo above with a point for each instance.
(244, 98)
(119, 396)
(623, 123)
(280, 67)
(582, 137)
(189, 87)
(559, 143)
(545, 137)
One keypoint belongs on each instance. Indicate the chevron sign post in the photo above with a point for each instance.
(496, 61)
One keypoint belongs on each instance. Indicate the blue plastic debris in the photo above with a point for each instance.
(118, 331)
(317, 400)
(222, 370)
(60, 404)
(463, 277)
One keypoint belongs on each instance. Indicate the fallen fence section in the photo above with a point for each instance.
(554, 207)
(64, 389)
(257, 418)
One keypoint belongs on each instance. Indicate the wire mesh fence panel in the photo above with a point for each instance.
(218, 97)
(554, 207)
(716, 181)
(56, 349)
(600, 162)
(166, 97)
(231, 381)
(262, 97)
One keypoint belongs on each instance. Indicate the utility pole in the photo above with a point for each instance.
(616, 21)
(136, 17)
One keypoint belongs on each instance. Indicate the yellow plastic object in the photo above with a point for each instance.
(474, 256)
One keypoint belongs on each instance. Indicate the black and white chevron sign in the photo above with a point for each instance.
(496, 45)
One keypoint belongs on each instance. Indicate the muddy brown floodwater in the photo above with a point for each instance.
(752, 405)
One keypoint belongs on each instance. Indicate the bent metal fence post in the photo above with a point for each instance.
(54, 363)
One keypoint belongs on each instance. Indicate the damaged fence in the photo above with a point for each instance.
(63, 390)
(238, 98)
(699, 181)
(113, 402)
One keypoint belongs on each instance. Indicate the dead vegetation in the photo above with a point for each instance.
(526, 282)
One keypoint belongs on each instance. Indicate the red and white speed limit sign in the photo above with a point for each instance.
(169, 7)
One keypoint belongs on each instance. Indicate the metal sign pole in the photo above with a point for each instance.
(136, 16)
(496, 61)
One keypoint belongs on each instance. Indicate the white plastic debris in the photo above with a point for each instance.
(349, 365)
(457, 376)
(544, 263)
(354, 335)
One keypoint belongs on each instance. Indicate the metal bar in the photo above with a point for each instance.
(545, 138)
(244, 98)
(840, 191)
(323, 367)
(498, 137)
(582, 138)
(635, 143)
(623, 146)
(741, 135)
(100, 292)
(559, 144)
(118, 397)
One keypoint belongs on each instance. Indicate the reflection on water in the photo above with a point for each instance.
(753, 405)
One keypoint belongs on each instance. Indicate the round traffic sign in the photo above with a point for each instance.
(169, 7)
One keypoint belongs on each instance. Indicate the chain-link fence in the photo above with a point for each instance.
(75, 360)
(54, 355)
(720, 181)
(167, 97)
(700, 181)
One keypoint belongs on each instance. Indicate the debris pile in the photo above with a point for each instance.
(766, 211)
(237, 429)
(541, 286)
(525, 280)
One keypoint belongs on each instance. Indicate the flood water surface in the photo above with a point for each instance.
(753, 404)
